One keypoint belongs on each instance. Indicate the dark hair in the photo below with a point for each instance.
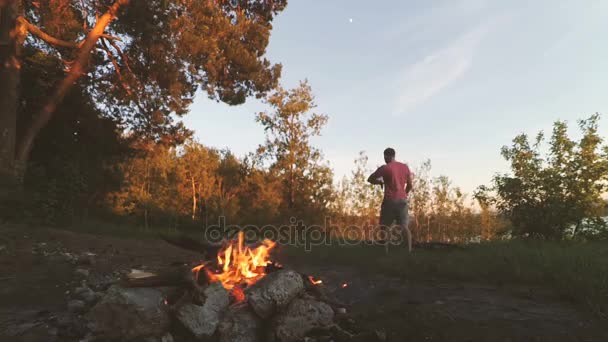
(389, 152)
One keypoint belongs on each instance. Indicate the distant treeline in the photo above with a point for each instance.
(91, 130)
(85, 165)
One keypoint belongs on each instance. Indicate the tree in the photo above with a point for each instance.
(150, 185)
(74, 165)
(200, 167)
(10, 50)
(146, 65)
(420, 201)
(261, 195)
(289, 128)
(489, 223)
(365, 199)
(553, 195)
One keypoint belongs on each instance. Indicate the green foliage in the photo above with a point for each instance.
(73, 162)
(440, 211)
(365, 200)
(194, 185)
(166, 52)
(174, 48)
(356, 203)
(306, 180)
(558, 194)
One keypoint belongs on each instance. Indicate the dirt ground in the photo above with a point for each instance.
(36, 275)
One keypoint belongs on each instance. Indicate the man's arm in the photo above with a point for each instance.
(374, 178)
(409, 184)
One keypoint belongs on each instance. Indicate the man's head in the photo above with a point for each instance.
(389, 155)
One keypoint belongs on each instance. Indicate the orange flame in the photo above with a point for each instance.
(313, 281)
(238, 293)
(240, 264)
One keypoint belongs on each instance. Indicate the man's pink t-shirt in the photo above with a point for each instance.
(394, 175)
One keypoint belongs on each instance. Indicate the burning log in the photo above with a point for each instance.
(176, 276)
(301, 316)
(159, 280)
(274, 292)
(240, 324)
(202, 320)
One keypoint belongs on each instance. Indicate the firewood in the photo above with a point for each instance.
(178, 276)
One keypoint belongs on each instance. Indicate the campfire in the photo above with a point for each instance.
(241, 266)
(236, 294)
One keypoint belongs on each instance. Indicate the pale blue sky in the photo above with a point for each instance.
(452, 81)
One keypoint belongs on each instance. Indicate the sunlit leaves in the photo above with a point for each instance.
(552, 194)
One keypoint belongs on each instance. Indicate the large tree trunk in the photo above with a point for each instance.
(12, 35)
(79, 67)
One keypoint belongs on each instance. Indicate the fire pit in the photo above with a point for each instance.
(238, 294)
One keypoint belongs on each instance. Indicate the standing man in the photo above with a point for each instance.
(396, 179)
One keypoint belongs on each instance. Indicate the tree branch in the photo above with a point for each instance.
(36, 31)
(80, 66)
(104, 46)
(122, 55)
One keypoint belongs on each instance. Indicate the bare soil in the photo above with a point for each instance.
(36, 278)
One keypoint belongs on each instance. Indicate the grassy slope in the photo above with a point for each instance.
(578, 272)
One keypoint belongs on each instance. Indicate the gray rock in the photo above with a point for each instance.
(129, 313)
(165, 338)
(240, 324)
(301, 316)
(76, 306)
(87, 258)
(82, 271)
(87, 295)
(274, 292)
(202, 320)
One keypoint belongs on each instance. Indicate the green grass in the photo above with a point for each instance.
(574, 271)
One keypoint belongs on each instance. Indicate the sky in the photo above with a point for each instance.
(451, 81)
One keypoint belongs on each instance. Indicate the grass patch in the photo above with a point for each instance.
(576, 271)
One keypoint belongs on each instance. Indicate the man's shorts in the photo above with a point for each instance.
(394, 210)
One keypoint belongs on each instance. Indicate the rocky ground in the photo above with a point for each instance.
(48, 278)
